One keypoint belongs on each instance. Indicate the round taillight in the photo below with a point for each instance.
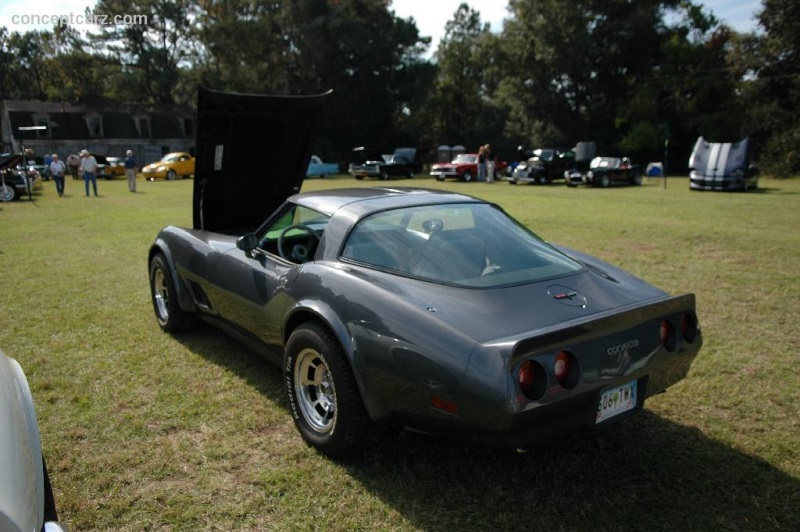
(561, 365)
(565, 368)
(669, 339)
(689, 328)
(532, 379)
(527, 377)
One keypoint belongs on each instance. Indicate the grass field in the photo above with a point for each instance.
(147, 431)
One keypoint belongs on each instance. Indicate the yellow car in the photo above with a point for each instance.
(170, 166)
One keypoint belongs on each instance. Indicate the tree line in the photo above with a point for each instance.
(634, 77)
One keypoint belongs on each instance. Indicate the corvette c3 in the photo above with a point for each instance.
(399, 307)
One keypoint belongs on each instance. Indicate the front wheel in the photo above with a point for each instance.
(323, 395)
(467, 176)
(636, 180)
(8, 193)
(605, 181)
(169, 315)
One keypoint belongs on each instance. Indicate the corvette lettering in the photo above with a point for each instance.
(621, 348)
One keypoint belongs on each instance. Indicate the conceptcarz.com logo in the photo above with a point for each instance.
(72, 19)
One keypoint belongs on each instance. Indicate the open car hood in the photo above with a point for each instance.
(719, 159)
(10, 161)
(252, 154)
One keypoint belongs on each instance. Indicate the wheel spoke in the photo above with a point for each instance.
(315, 390)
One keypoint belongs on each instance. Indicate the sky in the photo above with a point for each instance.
(430, 15)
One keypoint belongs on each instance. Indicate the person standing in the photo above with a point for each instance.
(73, 163)
(489, 164)
(130, 170)
(57, 170)
(89, 170)
(482, 163)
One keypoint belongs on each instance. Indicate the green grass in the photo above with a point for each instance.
(147, 431)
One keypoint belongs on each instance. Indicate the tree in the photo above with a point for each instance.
(151, 51)
(459, 93)
(773, 95)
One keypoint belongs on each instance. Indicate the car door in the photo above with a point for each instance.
(250, 292)
(251, 285)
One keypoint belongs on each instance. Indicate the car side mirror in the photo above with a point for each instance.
(247, 242)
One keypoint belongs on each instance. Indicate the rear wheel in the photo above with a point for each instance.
(170, 316)
(171, 175)
(636, 179)
(323, 395)
(604, 181)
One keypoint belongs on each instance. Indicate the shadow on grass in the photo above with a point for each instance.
(644, 473)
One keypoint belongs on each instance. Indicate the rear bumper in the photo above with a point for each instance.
(609, 351)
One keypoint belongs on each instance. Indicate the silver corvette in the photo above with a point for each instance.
(394, 307)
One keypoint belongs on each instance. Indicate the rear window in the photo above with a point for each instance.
(474, 244)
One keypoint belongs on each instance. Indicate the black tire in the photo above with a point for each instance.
(605, 181)
(636, 179)
(171, 175)
(384, 175)
(50, 513)
(323, 395)
(8, 193)
(467, 177)
(169, 315)
(359, 177)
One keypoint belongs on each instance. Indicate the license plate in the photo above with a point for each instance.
(615, 401)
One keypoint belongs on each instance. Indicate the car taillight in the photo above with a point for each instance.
(565, 368)
(561, 365)
(532, 379)
(669, 339)
(689, 328)
(526, 376)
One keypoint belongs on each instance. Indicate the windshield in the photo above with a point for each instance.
(604, 162)
(171, 158)
(467, 158)
(475, 245)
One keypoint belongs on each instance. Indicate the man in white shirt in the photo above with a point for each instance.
(57, 170)
(89, 170)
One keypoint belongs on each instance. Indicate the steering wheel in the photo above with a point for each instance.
(299, 252)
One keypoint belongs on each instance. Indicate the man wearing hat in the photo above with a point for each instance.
(130, 170)
(89, 170)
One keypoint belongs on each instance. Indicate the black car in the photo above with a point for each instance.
(543, 165)
(402, 163)
(606, 171)
(14, 178)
